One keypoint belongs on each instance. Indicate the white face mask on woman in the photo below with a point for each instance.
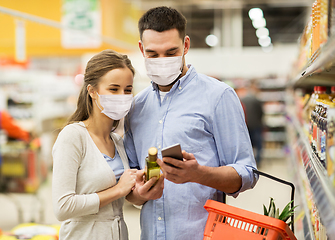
(115, 106)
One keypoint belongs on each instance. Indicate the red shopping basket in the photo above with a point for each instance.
(229, 222)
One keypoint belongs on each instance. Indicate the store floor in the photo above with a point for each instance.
(38, 208)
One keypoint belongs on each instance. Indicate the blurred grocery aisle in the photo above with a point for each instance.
(287, 45)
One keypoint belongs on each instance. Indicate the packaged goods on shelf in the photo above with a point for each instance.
(330, 145)
(332, 17)
(320, 24)
(305, 47)
(316, 26)
(316, 33)
(319, 93)
(323, 22)
(317, 227)
(318, 121)
(320, 107)
(312, 121)
(274, 107)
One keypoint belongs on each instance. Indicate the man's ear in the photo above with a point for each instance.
(140, 45)
(187, 44)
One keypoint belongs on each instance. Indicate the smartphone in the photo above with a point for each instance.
(173, 151)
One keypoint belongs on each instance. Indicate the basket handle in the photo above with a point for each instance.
(284, 182)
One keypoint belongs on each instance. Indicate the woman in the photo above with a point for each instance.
(91, 175)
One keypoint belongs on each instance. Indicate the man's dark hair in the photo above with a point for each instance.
(161, 19)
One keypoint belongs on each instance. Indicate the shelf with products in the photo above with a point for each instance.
(274, 142)
(304, 192)
(272, 94)
(274, 108)
(321, 70)
(37, 101)
(276, 84)
(310, 106)
(38, 96)
(317, 178)
(276, 121)
(316, 47)
(275, 136)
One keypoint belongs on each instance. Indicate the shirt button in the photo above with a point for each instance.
(160, 121)
(159, 146)
(159, 218)
(179, 88)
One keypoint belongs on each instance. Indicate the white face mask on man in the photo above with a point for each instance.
(115, 106)
(164, 70)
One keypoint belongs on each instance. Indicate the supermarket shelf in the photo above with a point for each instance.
(275, 136)
(308, 228)
(273, 84)
(274, 113)
(273, 153)
(320, 184)
(273, 87)
(274, 121)
(272, 96)
(321, 70)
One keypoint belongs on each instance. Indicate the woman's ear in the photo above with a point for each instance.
(91, 91)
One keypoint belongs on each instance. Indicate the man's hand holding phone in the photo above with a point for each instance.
(182, 169)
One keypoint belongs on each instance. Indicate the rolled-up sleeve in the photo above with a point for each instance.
(232, 139)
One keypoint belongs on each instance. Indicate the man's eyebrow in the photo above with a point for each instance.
(172, 49)
(169, 50)
(149, 50)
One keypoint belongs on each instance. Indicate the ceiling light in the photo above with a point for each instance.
(259, 23)
(262, 32)
(255, 13)
(264, 41)
(212, 40)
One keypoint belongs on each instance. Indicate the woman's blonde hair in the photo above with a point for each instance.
(97, 67)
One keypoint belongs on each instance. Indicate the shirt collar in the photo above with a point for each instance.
(182, 82)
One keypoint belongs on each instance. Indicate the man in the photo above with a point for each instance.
(254, 116)
(199, 112)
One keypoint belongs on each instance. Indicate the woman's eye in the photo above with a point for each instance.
(128, 90)
(113, 89)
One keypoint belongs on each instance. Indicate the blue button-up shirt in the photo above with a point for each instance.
(205, 116)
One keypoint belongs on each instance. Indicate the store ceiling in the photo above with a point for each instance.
(285, 19)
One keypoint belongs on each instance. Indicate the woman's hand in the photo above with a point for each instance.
(144, 191)
(127, 181)
(122, 188)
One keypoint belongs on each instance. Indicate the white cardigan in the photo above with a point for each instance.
(79, 172)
